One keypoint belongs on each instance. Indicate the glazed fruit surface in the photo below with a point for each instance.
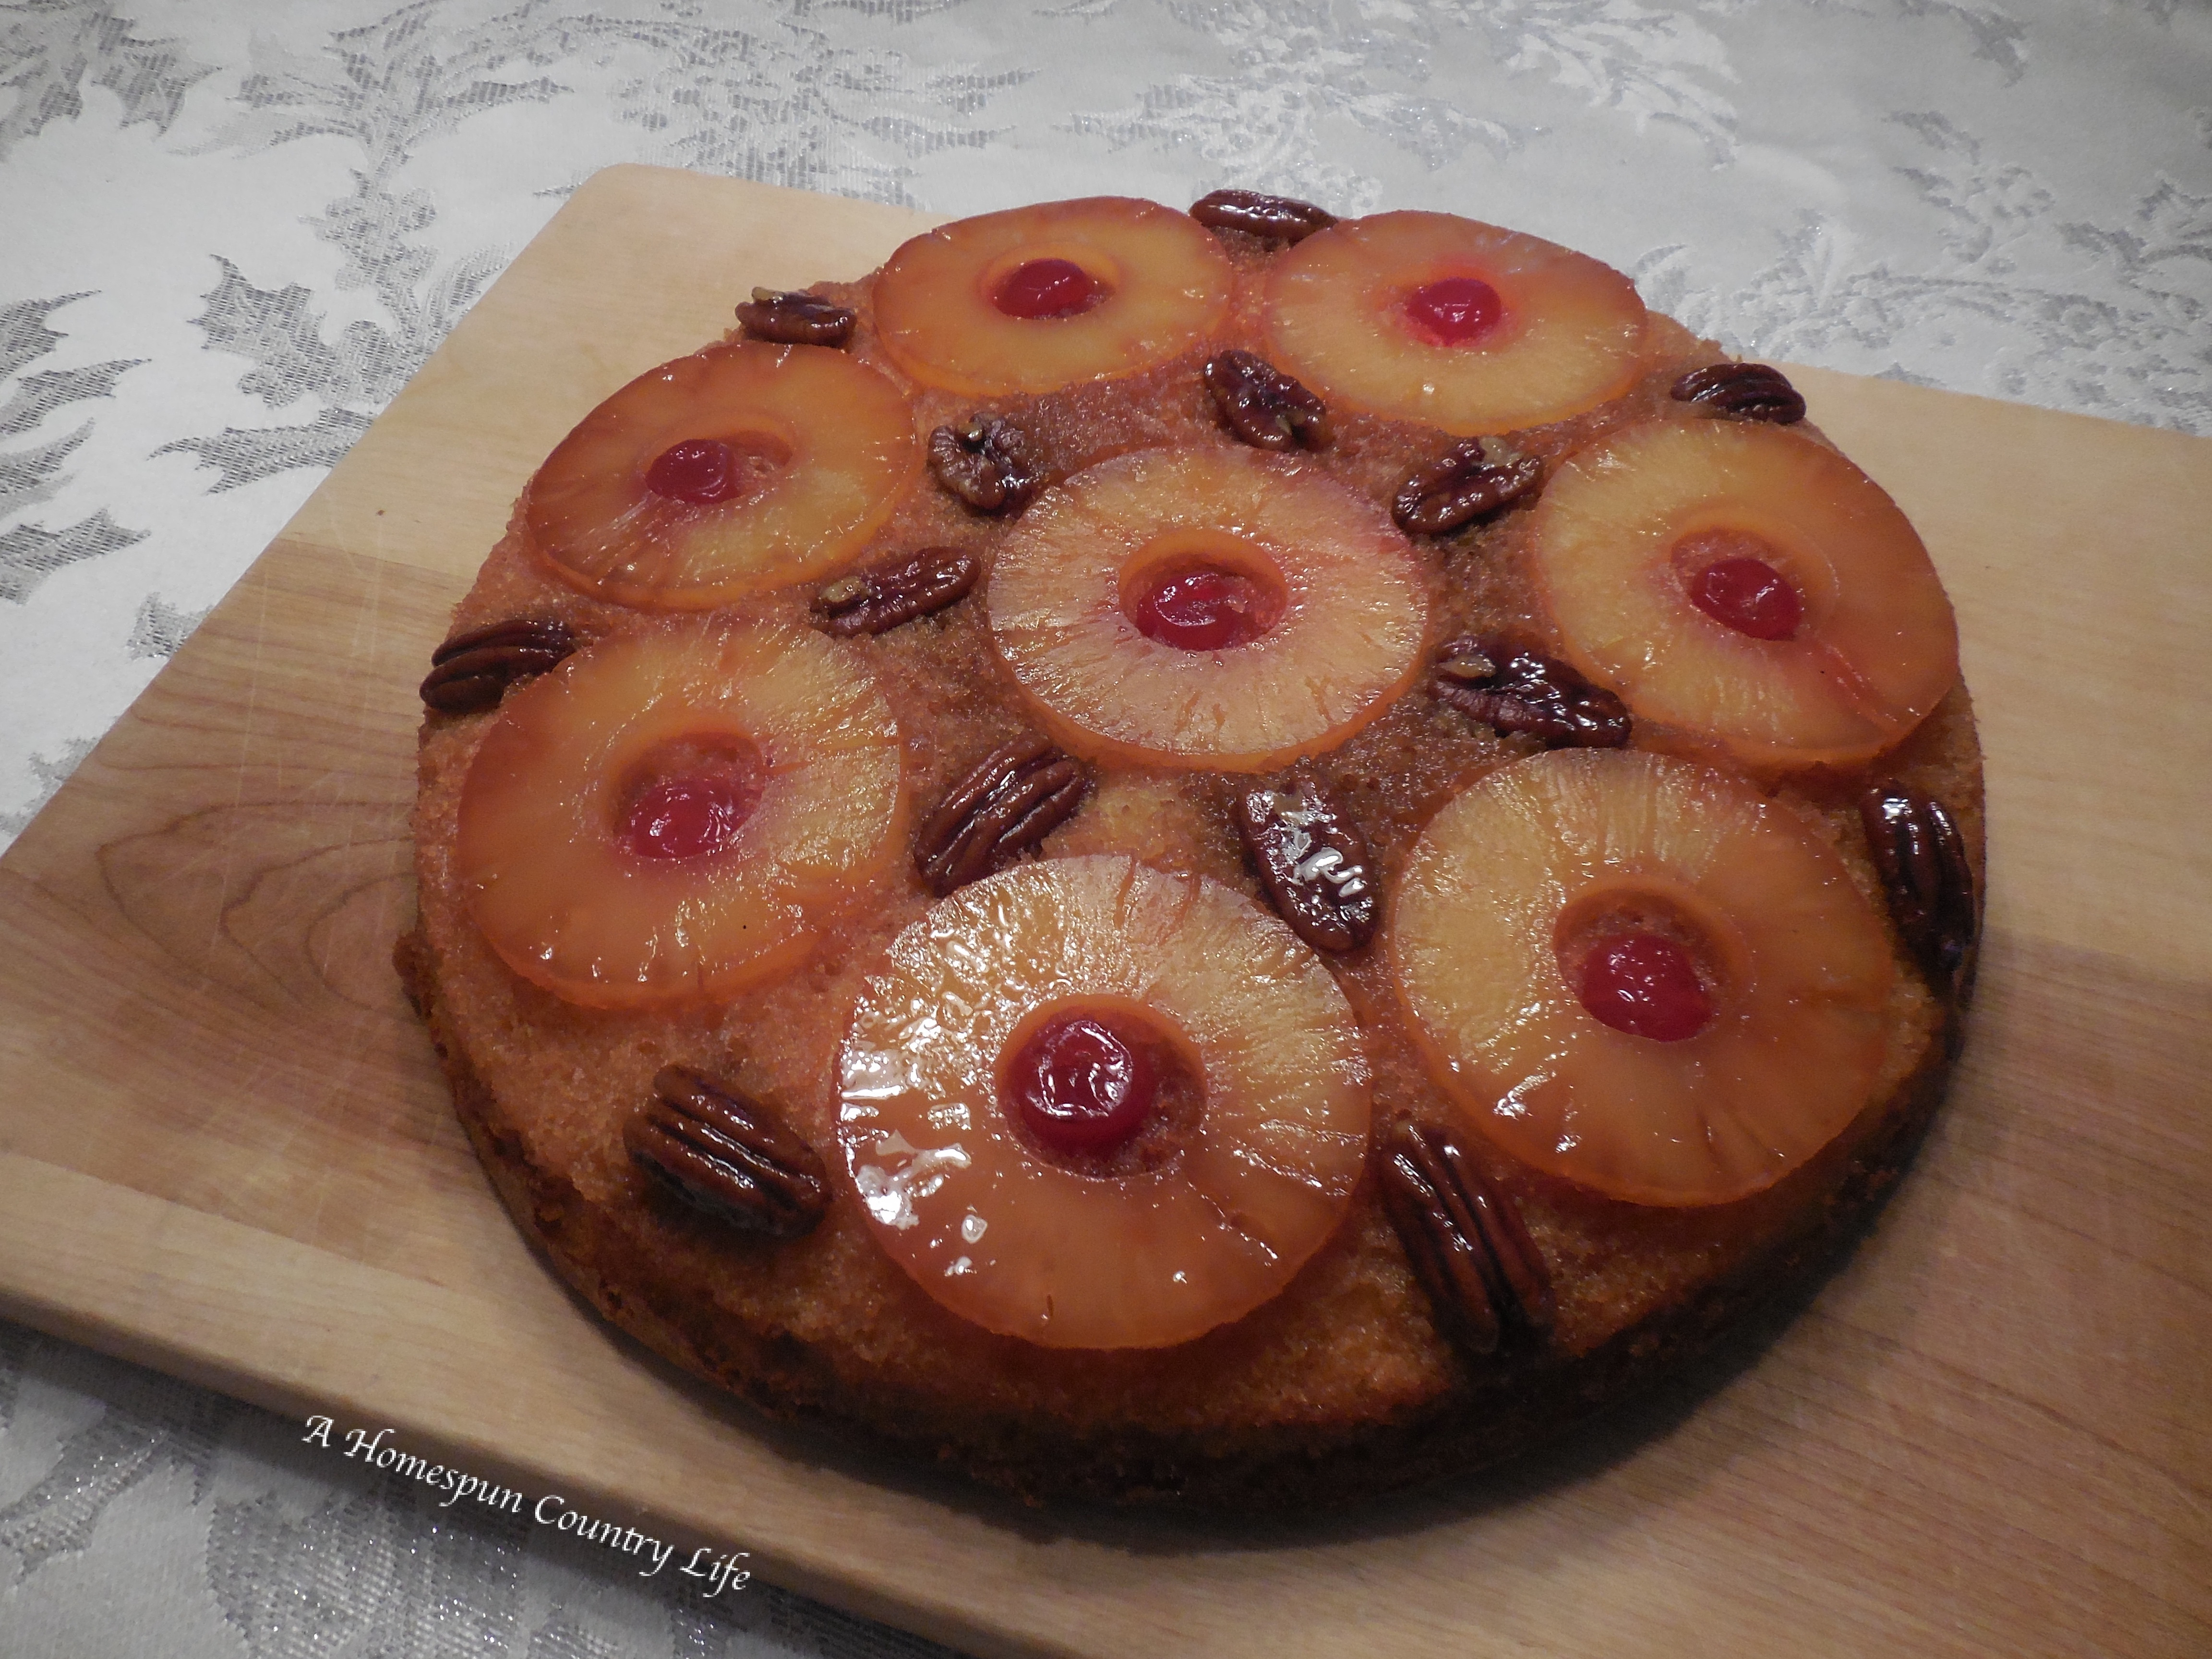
(1346, 1346)
(1036, 1241)
(1641, 975)
(742, 467)
(1330, 607)
(1468, 327)
(670, 815)
(1748, 583)
(1038, 298)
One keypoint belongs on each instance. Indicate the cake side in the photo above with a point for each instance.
(1297, 1464)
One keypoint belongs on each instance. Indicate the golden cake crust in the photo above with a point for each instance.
(1341, 1386)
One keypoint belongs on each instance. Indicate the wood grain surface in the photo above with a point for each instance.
(225, 1149)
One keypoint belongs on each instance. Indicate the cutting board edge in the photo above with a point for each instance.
(48, 1213)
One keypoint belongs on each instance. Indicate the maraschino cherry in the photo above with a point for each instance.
(686, 818)
(1455, 311)
(1749, 595)
(1646, 985)
(1046, 287)
(701, 470)
(1084, 1082)
(1202, 610)
(696, 800)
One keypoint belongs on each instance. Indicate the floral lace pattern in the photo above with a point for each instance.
(290, 208)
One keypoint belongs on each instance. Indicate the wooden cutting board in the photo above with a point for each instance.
(225, 1150)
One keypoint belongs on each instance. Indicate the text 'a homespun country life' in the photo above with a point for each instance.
(720, 1571)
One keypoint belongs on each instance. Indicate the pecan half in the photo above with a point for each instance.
(876, 601)
(728, 1154)
(1463, 486)
(1284, 218)
(472, 672)
(1517, 691)
(1747, 391)
(1921, 858)
(1466, 1243)
(791, 317)
(989, 463)
(1019, 795)
(1314, 863)
(1264, 406)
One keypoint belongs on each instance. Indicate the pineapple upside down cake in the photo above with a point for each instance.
(1221, 855)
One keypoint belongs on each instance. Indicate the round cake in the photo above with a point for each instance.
(1225, 856)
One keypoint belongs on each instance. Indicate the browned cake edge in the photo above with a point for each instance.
(1275, 1466)
(1297, 1450)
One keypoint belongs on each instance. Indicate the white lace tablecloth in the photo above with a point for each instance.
(229, 233)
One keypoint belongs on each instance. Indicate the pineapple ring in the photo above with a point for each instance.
(1801, 971)
(831, 442)
(1354, 606)
(568, 906)
(1168, 285)
(1568, 338)
(1876, 648)
(1024, 1246)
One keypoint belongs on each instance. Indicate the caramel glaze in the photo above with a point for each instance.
(1342, 1385)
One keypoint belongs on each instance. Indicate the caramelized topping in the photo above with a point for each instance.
(1747, 391)
(728, 1154)
(988, 463)
(1922, 859)
(1282, 218)
(1020, 794)
(795, 318)
(1469, 481)
(472, 672)
(1466, 1241)
(1520, 693)
(891, 595)
(1266, 409)
(1313, 862)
